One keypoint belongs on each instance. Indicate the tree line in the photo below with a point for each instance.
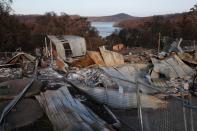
(28, 32)
(147, 34)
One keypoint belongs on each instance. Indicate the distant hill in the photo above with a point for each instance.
(138, 21)
(113, 18)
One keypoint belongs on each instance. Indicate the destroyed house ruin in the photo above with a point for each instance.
(73, 89)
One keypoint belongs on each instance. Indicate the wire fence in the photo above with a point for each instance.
(177, 113)
(176, 116)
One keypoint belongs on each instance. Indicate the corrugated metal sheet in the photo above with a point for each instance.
(67, 113)
(119, 100)
(171, 67)
(129, 72)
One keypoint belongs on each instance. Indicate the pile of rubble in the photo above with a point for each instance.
(108, 78)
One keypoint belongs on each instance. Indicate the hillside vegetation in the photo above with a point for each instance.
(145, 31)
(29, 31)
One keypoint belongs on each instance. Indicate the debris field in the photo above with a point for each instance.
(65, 87)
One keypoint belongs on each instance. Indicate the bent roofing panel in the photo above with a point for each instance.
(128, 72)
(172, 67)
(67, 113)
(77, 44)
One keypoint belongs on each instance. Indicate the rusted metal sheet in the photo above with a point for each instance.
(96, 57)
(92, 57)
(111, 58)
(83, 61)
(104, 57)
(67, 113)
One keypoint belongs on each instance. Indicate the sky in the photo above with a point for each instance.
(103, 7)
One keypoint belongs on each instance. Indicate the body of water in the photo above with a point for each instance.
(105, 28)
